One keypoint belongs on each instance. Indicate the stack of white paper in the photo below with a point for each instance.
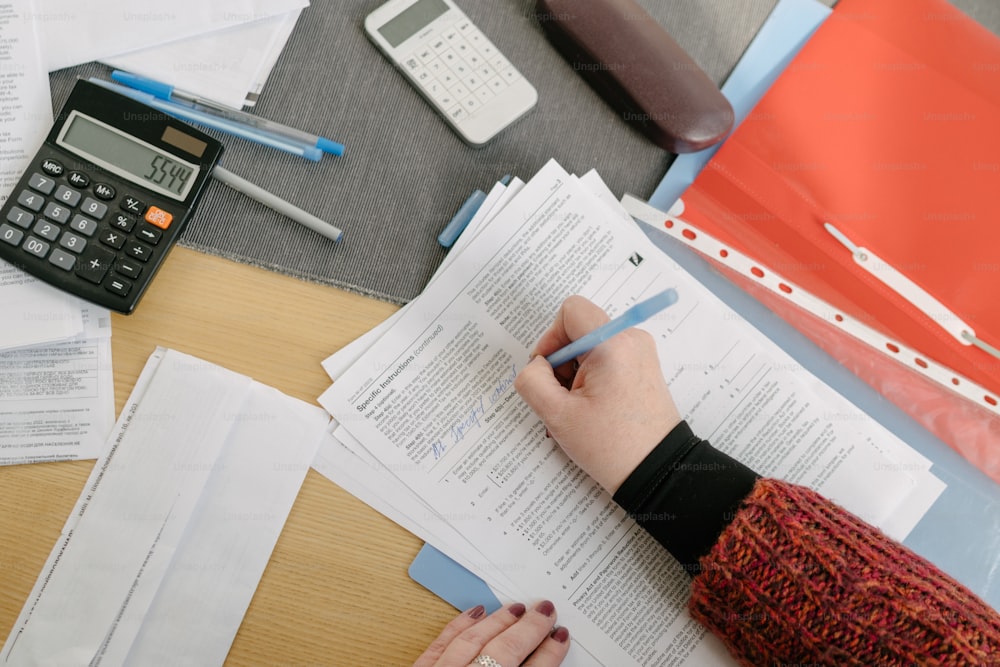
(229, 66)
(162, 554)
(56, 386)
(222, 50)
(25, 102)
(432, 433)
(57, 400)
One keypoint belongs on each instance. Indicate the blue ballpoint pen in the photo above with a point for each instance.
(215, 122)
(638, 313)
(170, 93)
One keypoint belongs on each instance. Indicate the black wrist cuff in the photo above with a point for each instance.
(685, 493)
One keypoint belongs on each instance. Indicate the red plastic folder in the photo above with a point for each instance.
(886, 126)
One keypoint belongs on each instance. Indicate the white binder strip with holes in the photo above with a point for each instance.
(737, 261)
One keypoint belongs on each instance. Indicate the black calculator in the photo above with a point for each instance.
(106, 197)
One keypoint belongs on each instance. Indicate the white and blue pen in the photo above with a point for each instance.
(232, 180)
(637, 314)
(197, 117)
(171, 94)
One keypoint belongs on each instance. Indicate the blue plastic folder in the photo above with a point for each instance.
(450, 581)
(961, 532)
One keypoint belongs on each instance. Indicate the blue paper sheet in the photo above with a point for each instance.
(450, 581)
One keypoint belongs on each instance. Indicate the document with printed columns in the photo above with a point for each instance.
(433, 401)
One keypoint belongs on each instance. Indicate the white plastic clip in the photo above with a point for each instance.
(906, 288)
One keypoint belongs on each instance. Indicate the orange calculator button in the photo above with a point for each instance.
(159, 217)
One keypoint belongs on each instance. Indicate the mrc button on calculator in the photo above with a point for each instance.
(106, 197)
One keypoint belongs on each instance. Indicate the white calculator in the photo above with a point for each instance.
(453, 65)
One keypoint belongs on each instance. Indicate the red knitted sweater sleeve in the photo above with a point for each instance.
(795, 579)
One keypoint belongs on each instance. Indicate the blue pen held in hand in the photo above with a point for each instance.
(637, 314)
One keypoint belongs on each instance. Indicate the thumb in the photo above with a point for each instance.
(540, 389)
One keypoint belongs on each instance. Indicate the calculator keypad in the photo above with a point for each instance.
(461, 70)
(84, 227)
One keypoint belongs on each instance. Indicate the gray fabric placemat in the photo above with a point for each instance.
(404, 173)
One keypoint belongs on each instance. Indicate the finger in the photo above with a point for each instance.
(457, 626)
(469, 643)
(516, 643)
(629, 350)
(577, 317)
(552, 651)
(581, 316)
(540, 388)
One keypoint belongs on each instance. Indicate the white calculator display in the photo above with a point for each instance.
(453, 65)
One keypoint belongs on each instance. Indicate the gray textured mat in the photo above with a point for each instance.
(405, 173)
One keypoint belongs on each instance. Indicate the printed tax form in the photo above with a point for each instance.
(429, 422)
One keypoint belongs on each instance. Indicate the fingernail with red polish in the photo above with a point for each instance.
(561, 635)
(477, 611)
(517, 609)
(545, 608)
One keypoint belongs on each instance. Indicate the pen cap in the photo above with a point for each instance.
(330, 146)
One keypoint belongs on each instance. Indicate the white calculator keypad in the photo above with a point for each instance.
(460, 70)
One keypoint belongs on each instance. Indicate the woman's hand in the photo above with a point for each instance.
(512, 636)
(609, 410)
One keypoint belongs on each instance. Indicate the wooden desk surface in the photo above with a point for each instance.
(336, 591)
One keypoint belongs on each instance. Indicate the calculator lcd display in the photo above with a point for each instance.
(127, 156)
(411, 20)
